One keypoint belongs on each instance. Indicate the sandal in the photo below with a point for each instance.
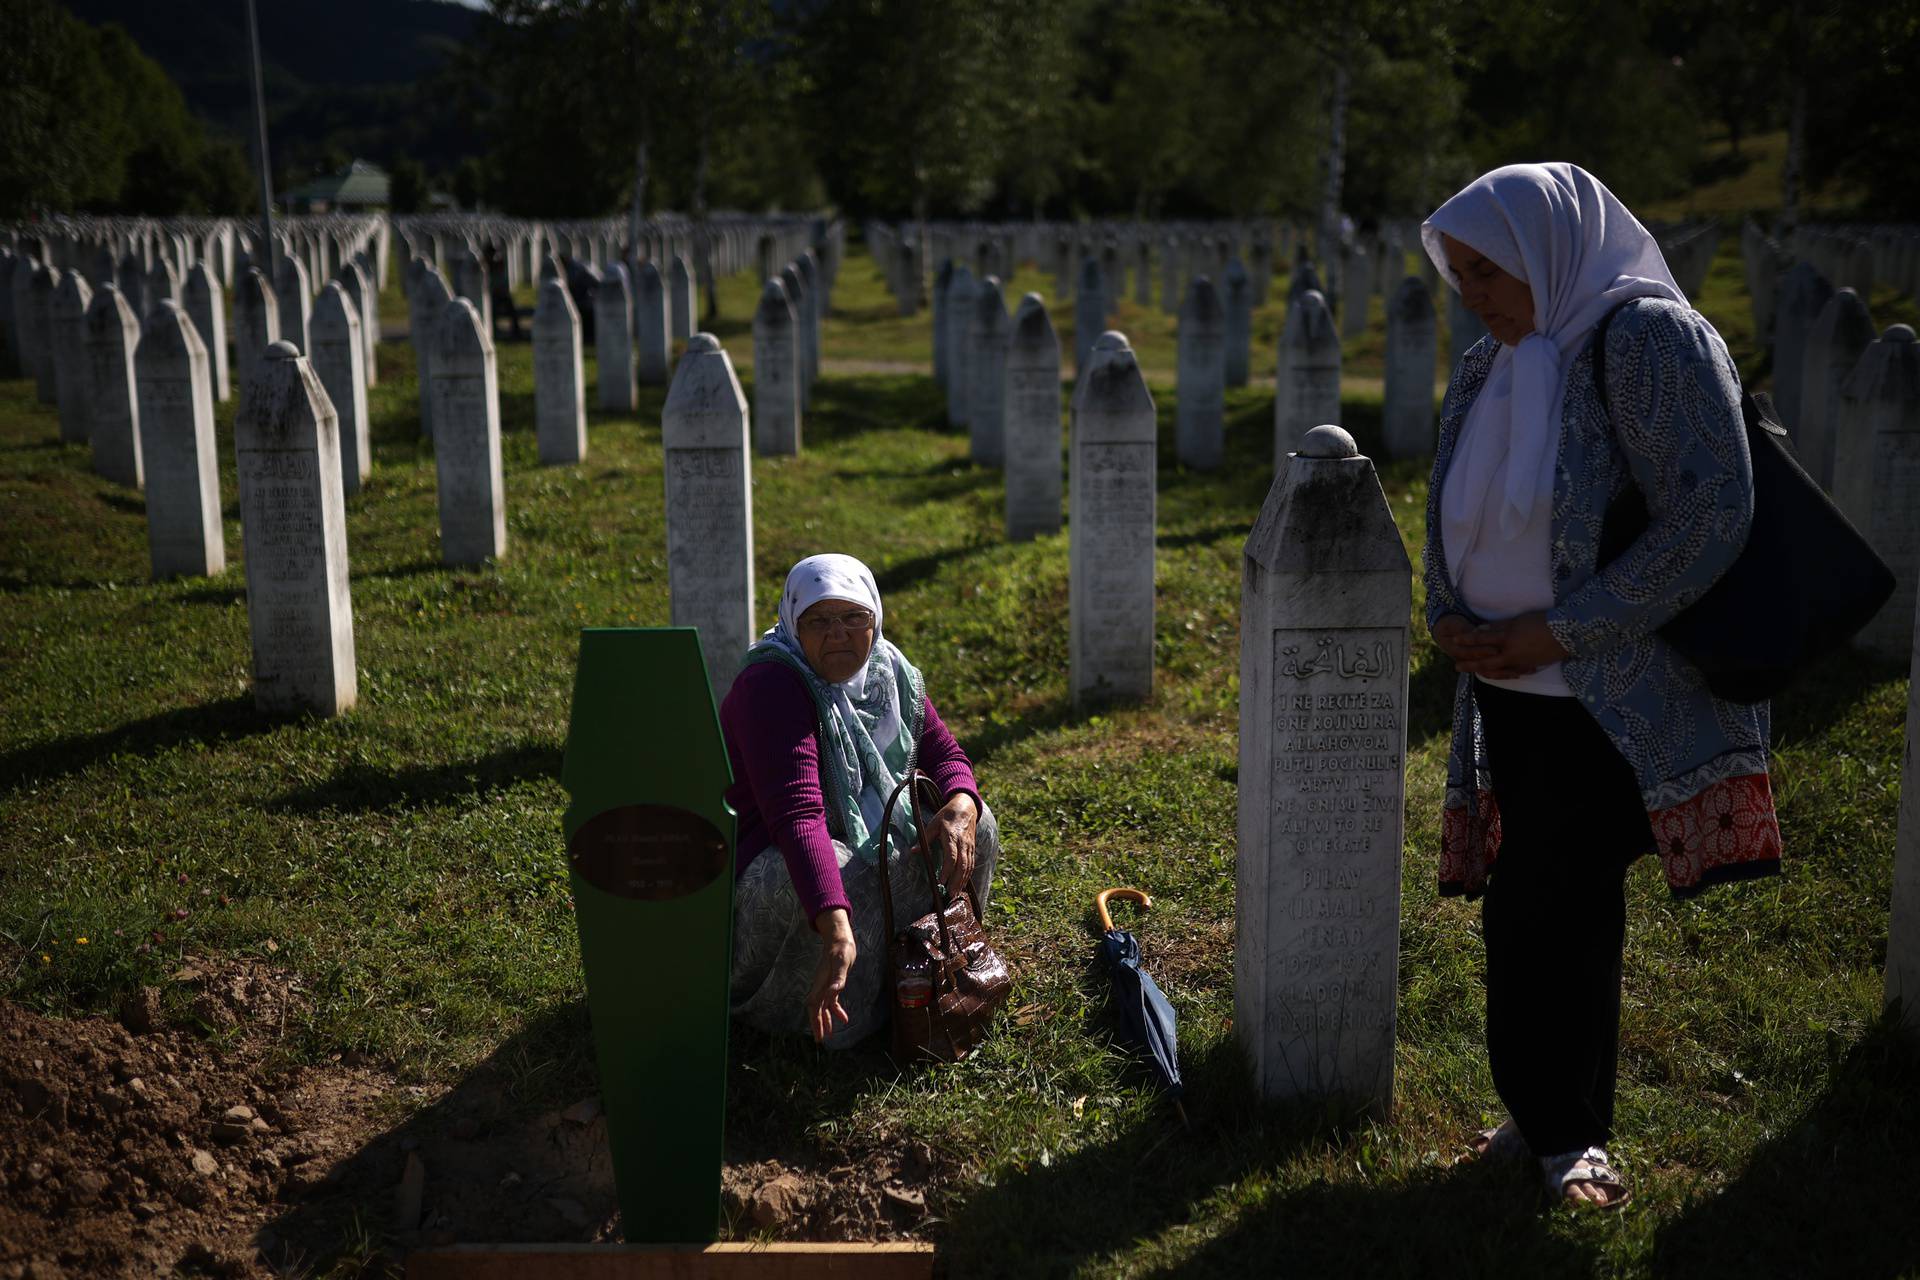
(1502, 1144)
(1590, 1166)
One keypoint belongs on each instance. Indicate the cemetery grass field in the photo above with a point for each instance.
(404, 860)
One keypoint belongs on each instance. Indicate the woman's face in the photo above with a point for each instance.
(1504, 303)
(836, 636)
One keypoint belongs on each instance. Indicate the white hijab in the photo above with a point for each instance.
(833, 576)
(1556, 227)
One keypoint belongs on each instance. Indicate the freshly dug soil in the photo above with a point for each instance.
(138, 1148)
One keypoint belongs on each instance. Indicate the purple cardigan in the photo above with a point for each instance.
(772, 741)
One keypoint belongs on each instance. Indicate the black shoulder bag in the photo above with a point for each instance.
(1802, 586)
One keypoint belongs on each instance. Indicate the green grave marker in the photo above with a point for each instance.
(650, 847)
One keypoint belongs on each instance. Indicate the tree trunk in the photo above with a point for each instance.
(1336, 167)
(702, 241)
(638, 213)
(1796, 128)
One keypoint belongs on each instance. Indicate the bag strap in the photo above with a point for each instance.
(940, 895)
(1600, 356)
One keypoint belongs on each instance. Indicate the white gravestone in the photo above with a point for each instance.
(112, 402)
(942, 279)
(1802, 294)
(19, 309)
(435, 297)
(1326, 590)
(358, 283)
(1032, 423)
(207, 307)
(1876, 475)
(256, 325)
(184, 536)
(1239, 305)
(709, 487)
(337, 359)
(1200, 405)
(776, 373)
(293, 524)
(1306, 374)
(814, 312)
(1839, 337)
(1089, 314)
(68, 336)
(795, 286)
(559, 379)
(1407, 412)
(46, 373)
(987, 370)
(650, 326)
(1111, 527)
(959, 326)
(1903, 926)
(683, 305)
(466, 439)
(293, 287)
(613, 341)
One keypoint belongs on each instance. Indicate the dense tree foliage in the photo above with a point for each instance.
(88, 121)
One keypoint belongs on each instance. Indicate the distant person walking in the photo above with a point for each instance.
(1581, 739)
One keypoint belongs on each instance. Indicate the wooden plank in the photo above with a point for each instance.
(650, 849)
(887, 1261)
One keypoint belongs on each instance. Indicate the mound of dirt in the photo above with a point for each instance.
(139, 1148)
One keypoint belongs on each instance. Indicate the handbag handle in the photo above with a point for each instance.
(940, 895)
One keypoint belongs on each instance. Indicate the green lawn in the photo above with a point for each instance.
(406, 860)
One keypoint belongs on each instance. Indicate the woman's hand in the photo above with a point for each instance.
(837, 951)
(1499, 650)
(952, 832)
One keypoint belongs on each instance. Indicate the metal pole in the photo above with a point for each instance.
(260, 144)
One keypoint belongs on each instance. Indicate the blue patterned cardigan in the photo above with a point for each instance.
(1701, 762)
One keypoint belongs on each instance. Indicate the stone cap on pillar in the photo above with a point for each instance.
(1326, 514)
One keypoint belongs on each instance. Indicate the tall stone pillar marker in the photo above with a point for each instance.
(40, 293)
(959, 329)
(1407, 414)
(1326, 591)
(256, 325)
(1200, 392)
(559, 378)
(292, 286)
(776, 373)
(207, 307)
(683, 305)
(1239, 306)
(293, 524)
(1903, 926)
(613, 340)
(466, 439)
(1306, 391)
(1876, 475)
(114, 428)
(987, 370)
(650, 325)
(709, 482)
(1839, 337)
(339, 361)
(184, 536)
(1032, 423)
(1089, 315)
(434, 299)
(68, 339)
(1110, 561)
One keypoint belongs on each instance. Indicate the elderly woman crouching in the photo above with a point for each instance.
(822, 723)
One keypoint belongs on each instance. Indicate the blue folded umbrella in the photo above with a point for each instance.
(1147, 1023)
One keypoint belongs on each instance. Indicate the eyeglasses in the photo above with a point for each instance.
(857, 622)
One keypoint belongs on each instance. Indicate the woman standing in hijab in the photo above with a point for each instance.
(823, 721)
(1581, 739)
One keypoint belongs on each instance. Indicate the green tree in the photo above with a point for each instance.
(406, 186)
(62, 144)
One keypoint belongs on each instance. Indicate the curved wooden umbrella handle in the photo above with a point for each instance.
(1131, 895)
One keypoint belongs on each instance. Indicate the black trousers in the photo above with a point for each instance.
(1555, 915)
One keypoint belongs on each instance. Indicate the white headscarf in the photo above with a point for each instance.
(1556, 227)
(861, 717)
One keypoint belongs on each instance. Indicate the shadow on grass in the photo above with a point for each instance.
(218, 595)
(1829, 694)
(849, 406)
(360, 788)
(133, 506)
(1156, 1177)
(914, 570)
(996, 736)
(411, 569)
(222, 721)
(1840, 1184)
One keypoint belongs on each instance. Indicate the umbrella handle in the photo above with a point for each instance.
(1131, 895)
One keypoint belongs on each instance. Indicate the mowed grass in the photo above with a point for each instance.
(406, 861)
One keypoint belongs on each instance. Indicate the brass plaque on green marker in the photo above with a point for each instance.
(650, 848)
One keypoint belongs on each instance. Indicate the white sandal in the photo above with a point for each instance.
(1590, 1166)
(1502, 1144)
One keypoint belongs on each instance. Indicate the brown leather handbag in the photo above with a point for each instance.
(948, 981)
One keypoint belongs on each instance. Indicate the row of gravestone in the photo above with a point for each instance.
(972, 343)
(1859, 256)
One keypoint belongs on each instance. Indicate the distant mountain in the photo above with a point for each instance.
(343, 77)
